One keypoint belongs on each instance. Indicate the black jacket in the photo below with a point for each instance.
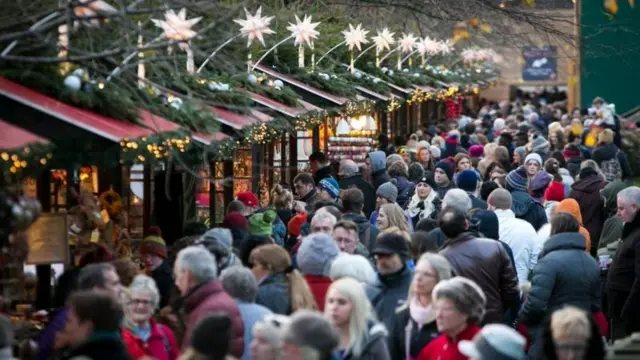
(478, 203)
(528, 209)
(375, 346)
(388, 293)
(367, 189)
(322, 173)
(364, 227)
(101, 347)
(623, 273)
(163, 276)
(403, 324)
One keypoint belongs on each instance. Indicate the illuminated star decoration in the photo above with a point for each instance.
(407, 43)
(304, 31)
(89, 8)
(384, 40)
(355, 37)
(255, 26)
(176, 26)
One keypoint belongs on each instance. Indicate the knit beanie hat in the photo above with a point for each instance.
(447, 165)
(476, 151)
(154, 244)
(330, 185)
(555, 192)
(499, 124)
(235, 220)
(467, 180)
(260, 224)
(435, 151)
(248, 198)
(522, 151)
(217, 241)
(295, 224)
(452, 139)
(428, 179)
(388, 190)
(517, 179)
(486, 222)
(571, 152)
(540, 181)
(533, 157)
(316, 254)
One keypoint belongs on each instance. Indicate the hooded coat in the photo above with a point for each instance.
(367, 189)
(571, 206)
(587, 192)
(379, 174)
(520, 236)
(526, 208)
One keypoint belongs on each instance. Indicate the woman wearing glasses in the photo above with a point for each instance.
(267, 337)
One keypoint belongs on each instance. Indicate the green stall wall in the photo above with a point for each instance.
(610, 55)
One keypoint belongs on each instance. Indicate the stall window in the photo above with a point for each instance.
(136, 200)
(202, 197)
(242, 163)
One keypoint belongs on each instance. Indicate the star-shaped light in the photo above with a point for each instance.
(407, 43)
(429, 46)
(176, 26)
(304, 31)
(88, 8)
(355, 37)
(255, 26)
(384, 40)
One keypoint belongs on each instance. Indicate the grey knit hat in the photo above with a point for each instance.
(316, 254)
(388, 190)
(217, 240)
(310, 329)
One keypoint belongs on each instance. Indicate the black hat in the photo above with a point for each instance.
(428, 179)
(390, 244)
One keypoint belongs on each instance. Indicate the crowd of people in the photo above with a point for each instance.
(511, 236)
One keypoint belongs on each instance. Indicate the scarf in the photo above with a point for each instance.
(421, 314)
(143, 332)
(413, 208)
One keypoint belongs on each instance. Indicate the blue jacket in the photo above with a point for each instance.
(251, 313)
(389, 292)
(528, 209)
(273, 293)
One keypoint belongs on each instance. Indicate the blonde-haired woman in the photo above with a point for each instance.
(267, 337)
(414, 325)
(281, 288)
(489, 157)
(570, 333)
(392, 215)
(282, 202)
(349, 311)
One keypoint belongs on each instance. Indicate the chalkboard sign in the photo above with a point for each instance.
(540, 63)
(48, 242)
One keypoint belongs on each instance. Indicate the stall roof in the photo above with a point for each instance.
(207, 139)
(238, 121)
(282, 108)
(338, 100)
(108, 128)
(391, 85)
(13, 137)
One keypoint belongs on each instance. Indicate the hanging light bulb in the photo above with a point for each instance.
(343, 127)
(371, 124)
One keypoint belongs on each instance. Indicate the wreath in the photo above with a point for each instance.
(112, 202)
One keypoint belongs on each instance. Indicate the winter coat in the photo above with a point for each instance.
(612, 228)
(322, 173)
(521, 238)
(418, 209)
(319, 285)
(375, 347)
(608, 152)
(209, 298)
(379, 174)
(549, 208)
(477, 203)
(251, 313)
(367, 189)
(163, 276)
(405, 191)
(102, 346)
(445, 348)
(404, 325)
(623, 273)
(364, 228)
(161, 344)
(570, 206)
(567, 180)
(498, 280)
(527, 209)
(442, 190)
(587, 192)
(573, 165)
(565, 275)
(389, 292)
(273, 293)
(310, 200)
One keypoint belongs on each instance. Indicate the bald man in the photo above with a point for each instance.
(350, 176)
(517, 233)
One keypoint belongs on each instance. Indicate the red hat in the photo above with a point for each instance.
(295, 224)
(235, 220)
(554, 192)
(248, 198)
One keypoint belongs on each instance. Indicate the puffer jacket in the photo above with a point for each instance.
(587, 192)
(497, 278)
(389, 292)
(622, 275)
(565, 275)
(273, 293)
(527, 209)
(375, 347)
(379, 174)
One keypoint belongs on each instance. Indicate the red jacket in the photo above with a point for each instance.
(444, 348)
(160, 345)
(319, 286)
(210, 298)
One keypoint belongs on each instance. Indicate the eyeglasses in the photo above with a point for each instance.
(139, 302)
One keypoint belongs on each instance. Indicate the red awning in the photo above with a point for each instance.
(239, 121)
(13, 137)
(108, 128)
(157, 123)
(282, 108)
(338, 100)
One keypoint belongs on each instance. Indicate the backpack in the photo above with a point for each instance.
(611, 168)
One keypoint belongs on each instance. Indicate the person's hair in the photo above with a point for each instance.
(312, 334)
(630, 195)
(235, 205)
(457, 198)
(423, 243)
(126, 270)
(347, 225)
(452, 222)
(304, 178)
(92, 276)
(552, 166)
(194, 228)
(606, 136)
(352, 200)
(459, 157)
(391, 159)
(331, 209)
(563, 222)
(493, 166)
(250, 243)
(272, 327)
(102, 310)
(212, 347)
(502, 157)
(398, 168)
(144, 283)
(281, 198)
(562, 163)
(359, 316)
(501, 199)
(490, 151)
(239, 282)
(487, 188)
(561, 140)
(318, 156)
(276, 260)
(440, 265)
(352, 266)
(396, 217)
(570, 321)
(426, 224)
(349, 168)
(199, 262)
(323, 216)
(466, 295)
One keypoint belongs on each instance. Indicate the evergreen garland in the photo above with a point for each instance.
(285, 95)
(25, 160)
(334, 85)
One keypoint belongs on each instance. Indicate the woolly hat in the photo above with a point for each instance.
(330, 185)
(540, 181)
(499, 124)
(486, 222)
(447, 165)
(554, 192)
(540, 145)
(154, 244)
(517, 179)
(571, 152)
(452, 139)
(428, 179)
(260, 224)
(316, 254)
(295, 224)
(476, 151)
(535, 157)
(217, 241)
(248, 198)
(521, 150)
(435, 151)
(388, 190)
(235, 220)
(423, 144)
(467, 180)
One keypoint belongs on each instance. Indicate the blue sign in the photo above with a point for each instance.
(540, 63)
